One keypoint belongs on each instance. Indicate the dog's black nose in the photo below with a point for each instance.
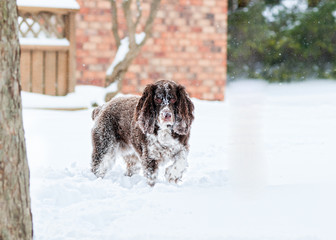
(167, 116)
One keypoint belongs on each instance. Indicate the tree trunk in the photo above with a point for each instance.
(15, 212)
(313, 3)
(243, 3)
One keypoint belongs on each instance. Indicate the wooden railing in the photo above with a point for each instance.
(47, 39)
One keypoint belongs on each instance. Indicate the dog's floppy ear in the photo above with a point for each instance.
(184, 112)
(145, 110)
(95, 112)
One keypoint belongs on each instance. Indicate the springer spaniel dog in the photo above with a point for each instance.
(147, 131)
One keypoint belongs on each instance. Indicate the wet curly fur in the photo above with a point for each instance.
(147, 131)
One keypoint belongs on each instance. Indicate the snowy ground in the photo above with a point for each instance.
(262, 167)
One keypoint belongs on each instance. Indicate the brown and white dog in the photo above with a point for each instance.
(148, 131)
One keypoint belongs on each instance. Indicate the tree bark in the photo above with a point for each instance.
(15, 211)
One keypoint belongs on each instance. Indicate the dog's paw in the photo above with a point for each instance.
(151, 183)
(173, 174)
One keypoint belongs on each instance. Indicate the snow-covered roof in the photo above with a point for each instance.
(67, 4)
(44, 41)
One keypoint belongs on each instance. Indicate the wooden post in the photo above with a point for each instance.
(62, 74)
(37, 72)
(72, 52)
(50, 73)
(25, 66)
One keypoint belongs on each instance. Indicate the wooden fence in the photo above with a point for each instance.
(47, 39)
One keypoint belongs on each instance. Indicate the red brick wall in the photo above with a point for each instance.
(188, 46)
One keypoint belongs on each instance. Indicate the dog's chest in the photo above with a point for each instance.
(163, 146)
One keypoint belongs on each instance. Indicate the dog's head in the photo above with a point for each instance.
(167, 105)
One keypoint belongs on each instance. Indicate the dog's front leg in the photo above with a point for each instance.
(175, 171)
(150, 169)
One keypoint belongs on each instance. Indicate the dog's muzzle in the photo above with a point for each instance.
(166, 116)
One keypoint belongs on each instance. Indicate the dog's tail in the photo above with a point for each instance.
(95, 112)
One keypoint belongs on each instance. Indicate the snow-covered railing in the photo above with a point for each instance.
(47, 39)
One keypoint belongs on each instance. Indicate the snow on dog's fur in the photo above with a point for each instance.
(148, 131)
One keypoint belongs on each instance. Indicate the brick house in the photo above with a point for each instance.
(188, 46)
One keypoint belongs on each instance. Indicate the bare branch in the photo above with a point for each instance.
(114, 14)
(139, 14)
(129, 22)
(150, 20)
(121, 68)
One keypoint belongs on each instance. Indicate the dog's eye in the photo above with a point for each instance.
(158, 100)
(172, 100)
